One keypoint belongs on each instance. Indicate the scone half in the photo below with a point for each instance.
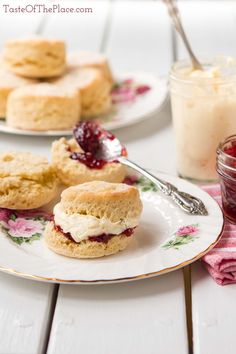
(94, 219)
(72, 172)
(60, 244)
(27, 181)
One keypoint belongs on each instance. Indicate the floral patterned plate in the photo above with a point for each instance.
(135, 97)
(166, 239)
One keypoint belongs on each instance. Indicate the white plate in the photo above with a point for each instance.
(123, 114)
(155, 249)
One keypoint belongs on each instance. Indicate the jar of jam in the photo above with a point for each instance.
(226, 168)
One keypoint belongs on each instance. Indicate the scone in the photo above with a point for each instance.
(94, 219)
(92, 60)
(93, 87)
(27, 181)
(9, 82)
(35, 57)
(71, 171)
(43, 107)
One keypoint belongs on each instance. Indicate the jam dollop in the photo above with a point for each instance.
(104, 238)
(89, 160)
(89, 136)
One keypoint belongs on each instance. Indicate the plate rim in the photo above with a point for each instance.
(38, 278)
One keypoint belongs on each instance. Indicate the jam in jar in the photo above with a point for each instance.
(226, 168)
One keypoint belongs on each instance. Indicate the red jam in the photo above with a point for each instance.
(88, 136)
(104, 238)
(89, 160)
(226, 168)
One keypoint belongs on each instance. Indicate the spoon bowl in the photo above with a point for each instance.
(105, 147)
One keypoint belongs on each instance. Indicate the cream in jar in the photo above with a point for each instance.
(204, 113)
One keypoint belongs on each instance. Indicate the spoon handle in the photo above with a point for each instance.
(185, 201)
(176, 20)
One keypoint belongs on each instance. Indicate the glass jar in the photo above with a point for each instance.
(226, 168)
(204, 113)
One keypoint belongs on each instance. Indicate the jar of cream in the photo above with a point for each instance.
(204, 113)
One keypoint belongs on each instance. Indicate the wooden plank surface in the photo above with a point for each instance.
(211, 27)
(24, 305)
(214, 314)
(24, 315)
(140, 317)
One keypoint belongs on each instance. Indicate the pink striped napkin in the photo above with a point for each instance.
(221, 260)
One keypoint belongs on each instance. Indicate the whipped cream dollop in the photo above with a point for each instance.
(208, 73)
(81, 227)
(213, 72)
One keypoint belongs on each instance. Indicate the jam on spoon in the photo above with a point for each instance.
(89, 136)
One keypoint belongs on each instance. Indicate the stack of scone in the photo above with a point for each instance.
(94, 219)
(77, 87)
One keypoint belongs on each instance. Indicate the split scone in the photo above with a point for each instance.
(94, 219)
(92, 60)
(27, 181)
(72, 170)
(93, 87)
(35, 57)
(9, 82)
(43, 107)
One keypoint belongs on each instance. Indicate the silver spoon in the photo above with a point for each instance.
(176, 20)
(111, 149)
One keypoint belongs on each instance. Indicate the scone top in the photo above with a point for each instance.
(25, 165)
(90, 59)
(44, 89)
(115, 201)
(35, 40)
(10, 81)
(35, 57)
(27, 181)
(80, 78)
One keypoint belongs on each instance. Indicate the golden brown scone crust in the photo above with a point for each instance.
(85, 59)
(35, 57)
(60, 244)
(94, 88)
(27, 181)
(9, 82)
(43, 107)
(114, 201)
(72, 172)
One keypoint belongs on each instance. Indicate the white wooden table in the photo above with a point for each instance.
(177, 313)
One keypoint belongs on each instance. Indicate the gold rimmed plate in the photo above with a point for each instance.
(166, 239)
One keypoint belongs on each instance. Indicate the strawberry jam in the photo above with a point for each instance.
(104, 238)
(89, 136)
(89, 160)
(226, 168)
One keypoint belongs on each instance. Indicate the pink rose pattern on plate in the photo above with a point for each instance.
(183, 236)
(123, 92)
(23, 226)
(127, 91)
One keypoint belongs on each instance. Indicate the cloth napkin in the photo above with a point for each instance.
(221, 260)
